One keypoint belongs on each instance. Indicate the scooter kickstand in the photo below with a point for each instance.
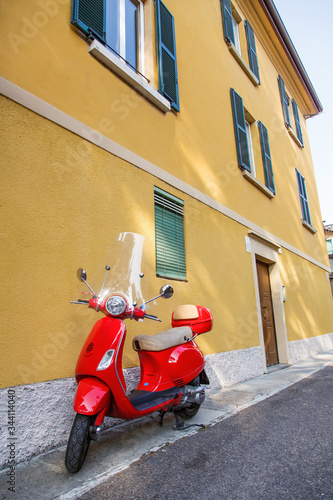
(180, 424)
(161, 415)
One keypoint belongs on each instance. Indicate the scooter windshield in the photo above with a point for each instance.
(119, 271)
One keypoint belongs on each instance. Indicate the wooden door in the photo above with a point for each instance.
(267, 315)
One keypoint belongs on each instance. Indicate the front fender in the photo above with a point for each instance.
(92, 396)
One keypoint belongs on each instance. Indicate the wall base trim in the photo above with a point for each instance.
(305, 348)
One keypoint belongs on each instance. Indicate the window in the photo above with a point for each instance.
(118, 24)
(266, 157)
(169, 236)
(245, 127)
(329, 243)
(124, 29)
(252, 51)
(115, 30)
(290, 114)
(297, 122)
(231, 25)
(228, 21)
(240, 131)
(168, 77)
(303, 198)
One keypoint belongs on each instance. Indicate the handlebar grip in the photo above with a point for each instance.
(150, 316)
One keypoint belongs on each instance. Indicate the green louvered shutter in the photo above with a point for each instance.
(266, 157)
(251, 45)
(89, 17)
(169, 236)
(303, 197)
(240, 131)
(227, 21)
(166, 50)
(298, 123)
(284, 101)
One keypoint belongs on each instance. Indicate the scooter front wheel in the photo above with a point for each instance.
(78, 442)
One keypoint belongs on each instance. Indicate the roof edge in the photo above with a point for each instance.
(274, 17)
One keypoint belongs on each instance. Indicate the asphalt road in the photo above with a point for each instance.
(281, 448)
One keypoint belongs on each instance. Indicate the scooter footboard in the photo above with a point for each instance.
(92, 396)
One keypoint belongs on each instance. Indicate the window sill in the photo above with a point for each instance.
(294, 136)
(242, 63)
(119, 67)
(258, 184)
(309, 227)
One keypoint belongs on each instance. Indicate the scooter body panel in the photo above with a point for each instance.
(161, 372)
(108, 333)
(92, 396)
(176, 366)
(186, 362)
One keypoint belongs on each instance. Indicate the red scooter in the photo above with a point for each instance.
(172, 365)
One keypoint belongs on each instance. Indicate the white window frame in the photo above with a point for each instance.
(140, 33)
(236, 34)
(250, 146)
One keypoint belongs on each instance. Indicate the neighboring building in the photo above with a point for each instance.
(205, 123)
(328, 229)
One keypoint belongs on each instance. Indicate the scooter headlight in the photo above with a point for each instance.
(106, 360)
(115, 305)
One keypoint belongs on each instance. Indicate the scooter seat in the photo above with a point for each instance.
(163, 340)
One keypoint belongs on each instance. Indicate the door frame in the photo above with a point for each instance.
(267, 251)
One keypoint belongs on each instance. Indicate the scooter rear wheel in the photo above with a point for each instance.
(78, 442)
(188, 412)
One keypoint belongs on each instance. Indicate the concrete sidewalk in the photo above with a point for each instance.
(45, 477)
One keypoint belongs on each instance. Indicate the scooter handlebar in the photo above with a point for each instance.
(137, 314)
(150, 316)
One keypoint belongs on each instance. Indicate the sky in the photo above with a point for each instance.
(309, 25)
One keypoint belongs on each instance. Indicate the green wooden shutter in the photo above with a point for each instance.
(89, 17)
(166, 51)
(266, 157)
(303, 197)
(298, 123)
(169, 236)
(240, 131)
(251, 46)
(284, 101)
(227, 21)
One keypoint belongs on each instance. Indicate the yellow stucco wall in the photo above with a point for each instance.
(42, 53)
(64, 200)
(308, 306)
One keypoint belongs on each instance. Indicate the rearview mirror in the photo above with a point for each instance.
(81, 274)
(166, 291)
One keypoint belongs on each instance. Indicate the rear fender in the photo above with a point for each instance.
(92, 396)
